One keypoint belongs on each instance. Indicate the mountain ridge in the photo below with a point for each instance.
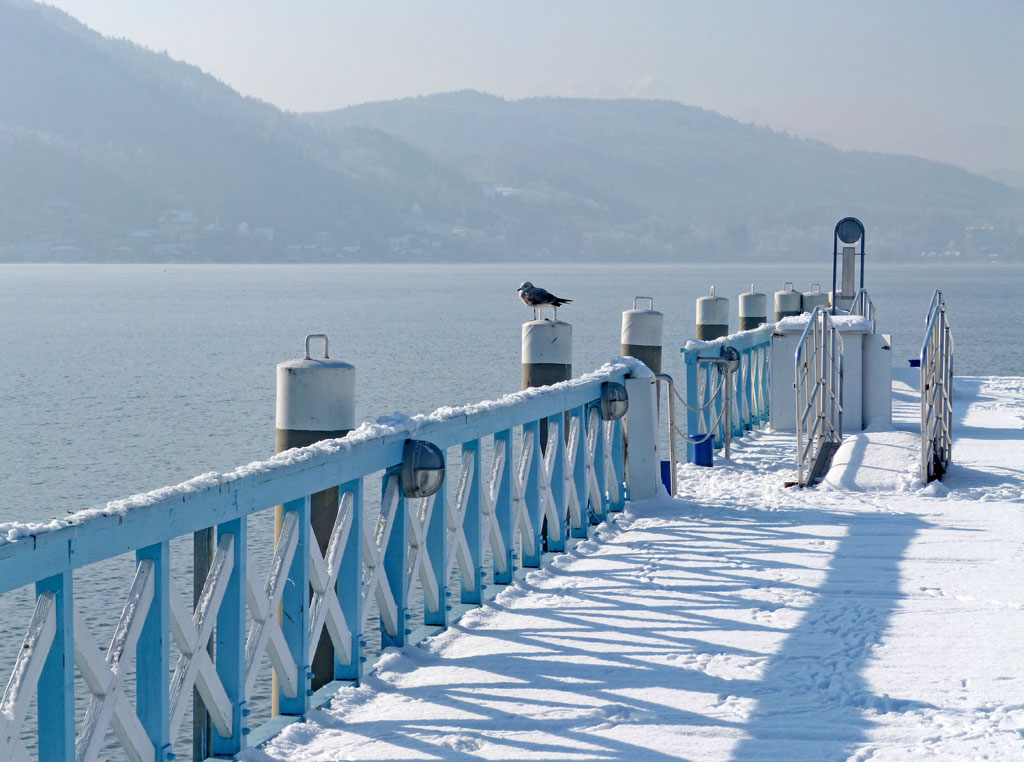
(114, 152)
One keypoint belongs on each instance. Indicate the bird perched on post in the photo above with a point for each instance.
(537, 298)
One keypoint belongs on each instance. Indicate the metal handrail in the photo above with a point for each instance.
(818, 374)
(864, 307)
(936, 392)
(672, 394)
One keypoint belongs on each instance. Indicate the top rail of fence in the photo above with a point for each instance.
(29, 552)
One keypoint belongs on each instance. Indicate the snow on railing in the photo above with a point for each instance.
(533, 497)
(936, 392)
(707, 376)
(819, 394)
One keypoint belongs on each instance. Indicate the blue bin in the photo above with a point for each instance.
(703, 452)
(666, 475)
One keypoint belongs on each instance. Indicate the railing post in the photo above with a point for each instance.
(642, 431)
(56, 687)
(599, 513)
(472, 524)
(503, 507)
(579, 470)
(396, 562)
(152, 654)
(230, 641)
(350, 583)
(436, 537)
(532, 495)
(692, 393)
(618, 468)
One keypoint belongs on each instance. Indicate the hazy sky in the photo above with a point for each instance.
(937, 78)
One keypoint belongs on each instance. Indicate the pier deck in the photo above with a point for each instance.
(869, 618)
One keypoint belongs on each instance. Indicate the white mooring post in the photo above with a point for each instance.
(753, 309)
(642, 334)
(787, 302)
(547, 352)
(315, 401)
(547, 359)
(814, 298)
(712, 317)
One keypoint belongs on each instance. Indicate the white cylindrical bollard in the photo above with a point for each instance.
(787, 302)
(814, 298)
(547, 352)
(753, 309)
(712, 317)
(315, 401)
(641, 334)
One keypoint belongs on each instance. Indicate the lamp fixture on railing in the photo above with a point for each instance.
(422, 468)
(614, 401)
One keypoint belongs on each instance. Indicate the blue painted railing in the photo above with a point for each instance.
(577, 479)
(706, 379)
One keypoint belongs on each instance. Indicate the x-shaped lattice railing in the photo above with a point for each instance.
(594, 430)
(419, 559)
(324, 609)
(547, 467)
(375, 542)
(25, 678)
(520, 510)
(265, 634)
(192, 633)
(109, 706)
(572, 499)
(488, 504)
(458, 545)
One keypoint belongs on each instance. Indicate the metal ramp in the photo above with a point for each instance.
(822, 462)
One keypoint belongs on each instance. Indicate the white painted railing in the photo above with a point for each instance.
(936, 392)
(819, 393)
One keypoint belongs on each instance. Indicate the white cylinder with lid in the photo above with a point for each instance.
(316, 400)
(712, 317)
(814, 298)
(642, 332)
(753, 309)
(787, 302)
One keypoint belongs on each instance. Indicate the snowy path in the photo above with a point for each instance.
(742, 622)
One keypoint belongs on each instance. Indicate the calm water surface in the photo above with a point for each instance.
(119, 379)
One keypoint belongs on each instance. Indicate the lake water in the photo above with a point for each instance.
(120, 379)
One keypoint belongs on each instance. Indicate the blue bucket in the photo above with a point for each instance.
(703, 452)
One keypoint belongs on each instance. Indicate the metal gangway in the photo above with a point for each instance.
(936, 392)
(819, 396)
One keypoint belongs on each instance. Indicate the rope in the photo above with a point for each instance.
(703, 437)
(707, 404)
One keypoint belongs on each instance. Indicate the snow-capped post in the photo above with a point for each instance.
(315, 401)
(753, 309)
(547, 352)
(712, 317)
(643, 464)
(641, 334)
(787, 302)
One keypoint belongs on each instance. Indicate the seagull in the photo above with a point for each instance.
(538, 298)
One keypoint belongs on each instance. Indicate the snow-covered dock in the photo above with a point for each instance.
(867, 618)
